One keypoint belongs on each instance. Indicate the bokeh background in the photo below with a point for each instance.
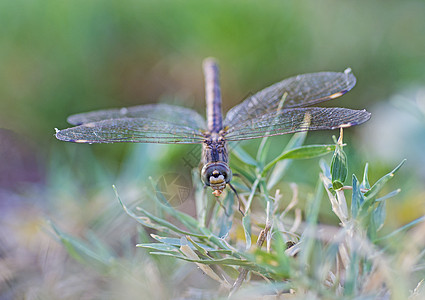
(63, 57)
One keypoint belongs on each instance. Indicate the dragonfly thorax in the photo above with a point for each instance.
(216, 175)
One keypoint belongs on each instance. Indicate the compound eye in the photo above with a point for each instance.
(215, 174)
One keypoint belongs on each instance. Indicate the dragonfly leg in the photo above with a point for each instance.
(239, 199)
(212, 208)
(222, 206)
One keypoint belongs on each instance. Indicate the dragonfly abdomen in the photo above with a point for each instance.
(213, 96)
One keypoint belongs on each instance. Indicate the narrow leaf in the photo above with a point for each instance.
(152, 221)
(222, 261)
(165, 223)
(351, 282)
(200, 198)
(303, 152)
(216, 240)
(403, 228)
(282, 166)
(81, 251)
(313, 208)
(198, 247)
(308, 236)
(186, 250)
(377, 187)
(356, 198)
(379, 214)
(177, 242)
(365, 184)
(326, 170)
(243, 156)
(246, 222)
(263, 150)
(238, 169)
(339, 168)
(159, 247)
(389, 195)
(185, 219)
(225, 220)
(372, 228)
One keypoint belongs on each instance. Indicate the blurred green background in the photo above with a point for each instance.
(63, 57)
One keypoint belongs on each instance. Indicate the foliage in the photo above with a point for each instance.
(301, 259)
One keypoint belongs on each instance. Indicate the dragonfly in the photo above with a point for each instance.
(282, 108)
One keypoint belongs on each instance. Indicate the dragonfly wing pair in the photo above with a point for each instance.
(153, 123)
(295, 120)
(298, 91)
(277, 109)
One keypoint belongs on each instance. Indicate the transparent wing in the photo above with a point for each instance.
(136, 130)
(295, 120)
(174, 114)
(299, 91)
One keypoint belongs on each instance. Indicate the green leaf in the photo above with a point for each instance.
(313, 205)
(377, 187)
(83, 252)
(403, 228)
(282, 166)
(325, 169)
(339, 168)
(379, 215)
(167, 240)
(308, 236)
(201, 201)
(252, 193)
(350, 285)
(263, 150)
(198, 247)
(165, 223)
(389, 195)
(276, 264)
(356, 198)
(208, 235)
(303, 152)
(225, 221)
(279, 246)
(244, 156)
(99, 247)
(185, 219)
(159, 246)
(246, 223)
(239, 169)
(143, 235)
(222, 261)
(365, 184)
(372, 229)
(152, 221)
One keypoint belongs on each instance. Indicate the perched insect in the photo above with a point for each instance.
(275, 110)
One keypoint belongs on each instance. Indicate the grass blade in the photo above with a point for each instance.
(152, 221)
(280, 167)
(246, 222)
(303, 152)
(356, 198)
(377, 187)
(243, 156)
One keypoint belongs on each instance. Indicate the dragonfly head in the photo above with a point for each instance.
(216, 175)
